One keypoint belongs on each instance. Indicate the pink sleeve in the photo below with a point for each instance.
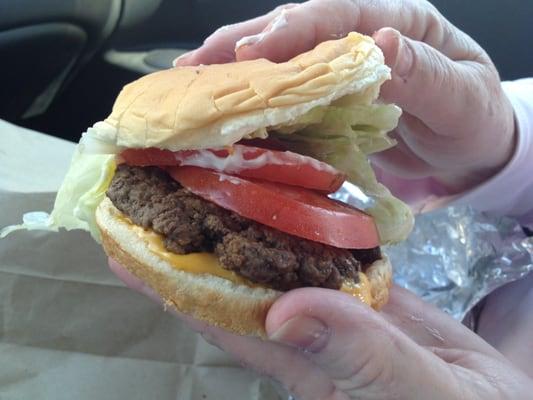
(510, 192)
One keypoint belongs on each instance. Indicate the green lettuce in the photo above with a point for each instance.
(344, 137)
(82, 190)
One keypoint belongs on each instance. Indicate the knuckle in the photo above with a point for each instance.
(429, 68)
(372, 365)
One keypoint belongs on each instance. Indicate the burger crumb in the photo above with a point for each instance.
(189, 224)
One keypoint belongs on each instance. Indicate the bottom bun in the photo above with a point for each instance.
(232, 306)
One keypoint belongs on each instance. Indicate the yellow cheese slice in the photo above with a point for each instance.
(207, 263)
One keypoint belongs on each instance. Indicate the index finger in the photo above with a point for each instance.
(219, 47)
(305, 25)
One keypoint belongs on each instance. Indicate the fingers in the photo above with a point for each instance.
(299, 29)
(426, 83)
(294, 28)
(364, 354)
(430, 327)
(219, 47)
(446, 104)
(266, 36)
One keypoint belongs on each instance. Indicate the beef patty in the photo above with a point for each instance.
(153, 200)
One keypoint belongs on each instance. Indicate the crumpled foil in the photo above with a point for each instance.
(455, 256)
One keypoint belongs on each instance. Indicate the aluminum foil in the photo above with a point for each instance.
(352, 194)
(456, 256)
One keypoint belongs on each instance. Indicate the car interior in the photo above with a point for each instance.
(64, 61)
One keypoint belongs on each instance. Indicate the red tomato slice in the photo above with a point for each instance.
(299, 212)
(251, 162)
(148, 157)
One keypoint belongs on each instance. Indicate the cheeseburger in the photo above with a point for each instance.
(216, 184)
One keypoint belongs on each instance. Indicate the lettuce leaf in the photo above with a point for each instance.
(344, 137)
(82, 190)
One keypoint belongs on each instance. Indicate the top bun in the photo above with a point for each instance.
(217, 105)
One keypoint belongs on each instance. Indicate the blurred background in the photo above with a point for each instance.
(64, 61)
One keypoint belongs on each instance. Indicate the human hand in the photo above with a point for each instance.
(457, 126)
(325, 344)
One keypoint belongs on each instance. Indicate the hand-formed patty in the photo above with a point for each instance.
(152, 199)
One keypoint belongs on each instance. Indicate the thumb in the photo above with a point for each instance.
(363, 354)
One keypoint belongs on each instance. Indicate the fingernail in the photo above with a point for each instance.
(303, 332)
(404, 62)
(249, 40)
(182, 58)
(277, 23)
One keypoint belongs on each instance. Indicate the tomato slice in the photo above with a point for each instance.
(148, 157)
(297, 211)
(251, 162)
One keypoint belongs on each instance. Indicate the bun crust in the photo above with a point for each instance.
(217, 105)
(235, 307)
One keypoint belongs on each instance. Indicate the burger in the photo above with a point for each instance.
(218, 185)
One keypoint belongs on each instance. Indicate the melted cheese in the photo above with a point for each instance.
(207, 263)
(195, 263)
(361, 290)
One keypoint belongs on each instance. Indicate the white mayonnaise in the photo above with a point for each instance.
(236, 162)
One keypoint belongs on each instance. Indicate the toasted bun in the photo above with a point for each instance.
(238, 308)
(217, 105)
